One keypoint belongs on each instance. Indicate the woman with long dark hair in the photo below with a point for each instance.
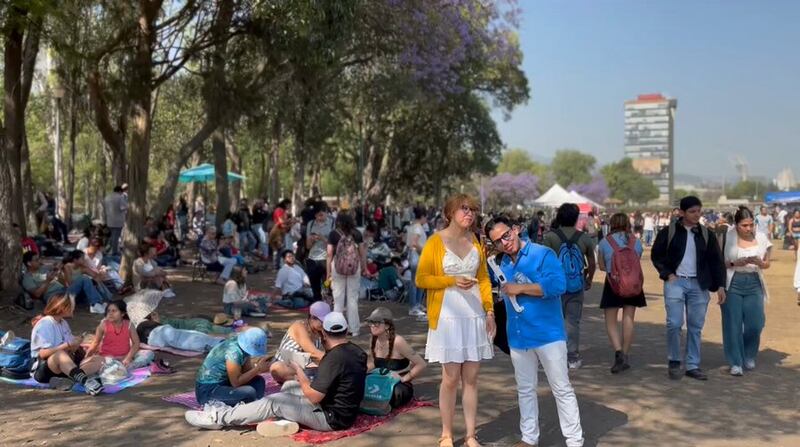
(346, 262)
(611, 302)
(746, 254)
(392, 352)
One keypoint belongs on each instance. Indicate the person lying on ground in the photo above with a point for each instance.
(59, 359)
(231, 373)
(391, 351)
(329, 402)
(116, 337)
(237, 300)
(153, 332)
(44, 286)
(303, 336)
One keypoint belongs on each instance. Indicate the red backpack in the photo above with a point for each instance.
(626, 277)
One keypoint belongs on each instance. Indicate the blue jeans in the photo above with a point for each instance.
(648, 237)
(414, 294)
(85, 286)
(229, 395)
(572, 309)
(742, 318)
(247, 241)
(684, 296)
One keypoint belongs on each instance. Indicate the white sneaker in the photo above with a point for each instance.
(99, 308)
(416, 312)
(736, 371)
(274, 429)
(169, 294)
(205, 418)
(575, 364)
(256, 314)
(749, 364)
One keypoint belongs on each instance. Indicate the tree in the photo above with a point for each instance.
(517, 161)
(572, 166)
(627, 184)
(504, 190)
(596, 190)
(750, 190)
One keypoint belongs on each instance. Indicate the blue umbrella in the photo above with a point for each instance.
(205, 173)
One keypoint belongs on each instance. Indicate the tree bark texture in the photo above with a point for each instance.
(235, 188)
(274, 162)
(220, 174)
(14, 111)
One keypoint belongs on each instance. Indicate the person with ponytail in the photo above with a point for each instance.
(746, 254)
(391, 351)
(59, 359)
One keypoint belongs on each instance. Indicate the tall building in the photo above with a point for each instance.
(649, 138)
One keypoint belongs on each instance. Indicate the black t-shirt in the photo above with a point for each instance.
(259, 215)
(341, 377)
(144, 329)
(336, 236)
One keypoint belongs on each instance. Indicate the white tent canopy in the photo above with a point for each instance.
(557, 195)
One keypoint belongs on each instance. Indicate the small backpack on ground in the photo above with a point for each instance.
(626, 276)
(571, 257)
(346, 258)
(15, 358)
(378, 392)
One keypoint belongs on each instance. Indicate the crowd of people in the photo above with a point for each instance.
(479, 281)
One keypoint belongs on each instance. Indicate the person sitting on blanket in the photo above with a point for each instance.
(231, 373)
(159, 335)
(237, 300)
(58, 358)
(328, 403)
(391, 351)
(116, 337)
(302, 336)
(293, 283)
(147, 274)
(212, 258)
(101, 269)
(44, 286)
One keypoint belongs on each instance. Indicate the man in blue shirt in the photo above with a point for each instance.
(536, 334)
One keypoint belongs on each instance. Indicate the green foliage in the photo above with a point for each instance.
(627, 184)
(570, 166)
(750, 190)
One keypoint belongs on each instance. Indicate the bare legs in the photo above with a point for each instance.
(620, 341)
(454, 374)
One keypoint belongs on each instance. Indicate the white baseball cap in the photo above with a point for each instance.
(334, 323)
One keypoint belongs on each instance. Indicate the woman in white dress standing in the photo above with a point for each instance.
(461, 326)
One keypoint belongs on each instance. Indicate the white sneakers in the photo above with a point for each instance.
(98, 308)
(256, 314)
(575, 364)
(169, 293)
(416, 312)
(277, 428)
(749, 364)
(736, 371)
(207, 417)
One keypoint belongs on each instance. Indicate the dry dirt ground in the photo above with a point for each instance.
(638, 408)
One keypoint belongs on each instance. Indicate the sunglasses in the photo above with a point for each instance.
(504, 238)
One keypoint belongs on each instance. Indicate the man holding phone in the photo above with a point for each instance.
(43, 286)
(536, 333)
(690, 263)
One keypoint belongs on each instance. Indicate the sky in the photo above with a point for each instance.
(733, 66)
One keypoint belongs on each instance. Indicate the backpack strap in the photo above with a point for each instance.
(575, 237)
(612, 242)
(561, 235)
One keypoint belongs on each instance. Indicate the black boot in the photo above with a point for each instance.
(619, 362)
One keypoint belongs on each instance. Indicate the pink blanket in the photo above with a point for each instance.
(363, 423)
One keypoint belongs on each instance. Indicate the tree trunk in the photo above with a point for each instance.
(141, 102)
(10, 250)
(274, 162)
(27, 187)
(101, 185)
(58, 160)
(220, 174)
(29, 53)
(263, 175)
(192, 188)
(235, 189)
(166, 194)
(14, 111)
(316, 180)
(299, 165)
(73, 137)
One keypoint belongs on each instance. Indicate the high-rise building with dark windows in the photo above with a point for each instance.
(649, 138)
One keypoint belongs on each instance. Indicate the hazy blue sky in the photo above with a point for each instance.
(734, 67)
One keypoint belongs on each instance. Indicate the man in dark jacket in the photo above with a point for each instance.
(690, 267)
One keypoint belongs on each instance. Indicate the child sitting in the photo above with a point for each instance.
(116, 338)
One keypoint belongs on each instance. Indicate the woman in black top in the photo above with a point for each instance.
(391, 351)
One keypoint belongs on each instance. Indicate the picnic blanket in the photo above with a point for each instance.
(179, 352)
(363, 423)
(136, 377)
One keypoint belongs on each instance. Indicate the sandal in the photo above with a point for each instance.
(445, 441)
(474, 439)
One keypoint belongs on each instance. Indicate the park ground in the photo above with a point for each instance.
(638, 408)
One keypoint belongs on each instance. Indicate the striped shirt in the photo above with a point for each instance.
(290, 344)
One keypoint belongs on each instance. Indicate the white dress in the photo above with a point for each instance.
(460, 335)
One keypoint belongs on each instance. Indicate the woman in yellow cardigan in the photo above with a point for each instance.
(452, 268)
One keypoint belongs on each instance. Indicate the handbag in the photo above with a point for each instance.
(378, 391)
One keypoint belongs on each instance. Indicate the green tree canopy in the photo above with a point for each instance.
(627, 184)
(571, 166)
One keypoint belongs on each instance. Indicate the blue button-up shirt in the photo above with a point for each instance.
(541, 321)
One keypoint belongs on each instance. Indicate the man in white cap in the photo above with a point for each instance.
(329, 402)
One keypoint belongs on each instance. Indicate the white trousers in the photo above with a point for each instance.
(553, 357)
(345, 294)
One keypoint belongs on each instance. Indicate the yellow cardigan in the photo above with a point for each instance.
(431, 277)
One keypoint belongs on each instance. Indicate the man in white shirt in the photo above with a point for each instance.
(649, 229)
(292, 279)
(781, 221)
(764, 223)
